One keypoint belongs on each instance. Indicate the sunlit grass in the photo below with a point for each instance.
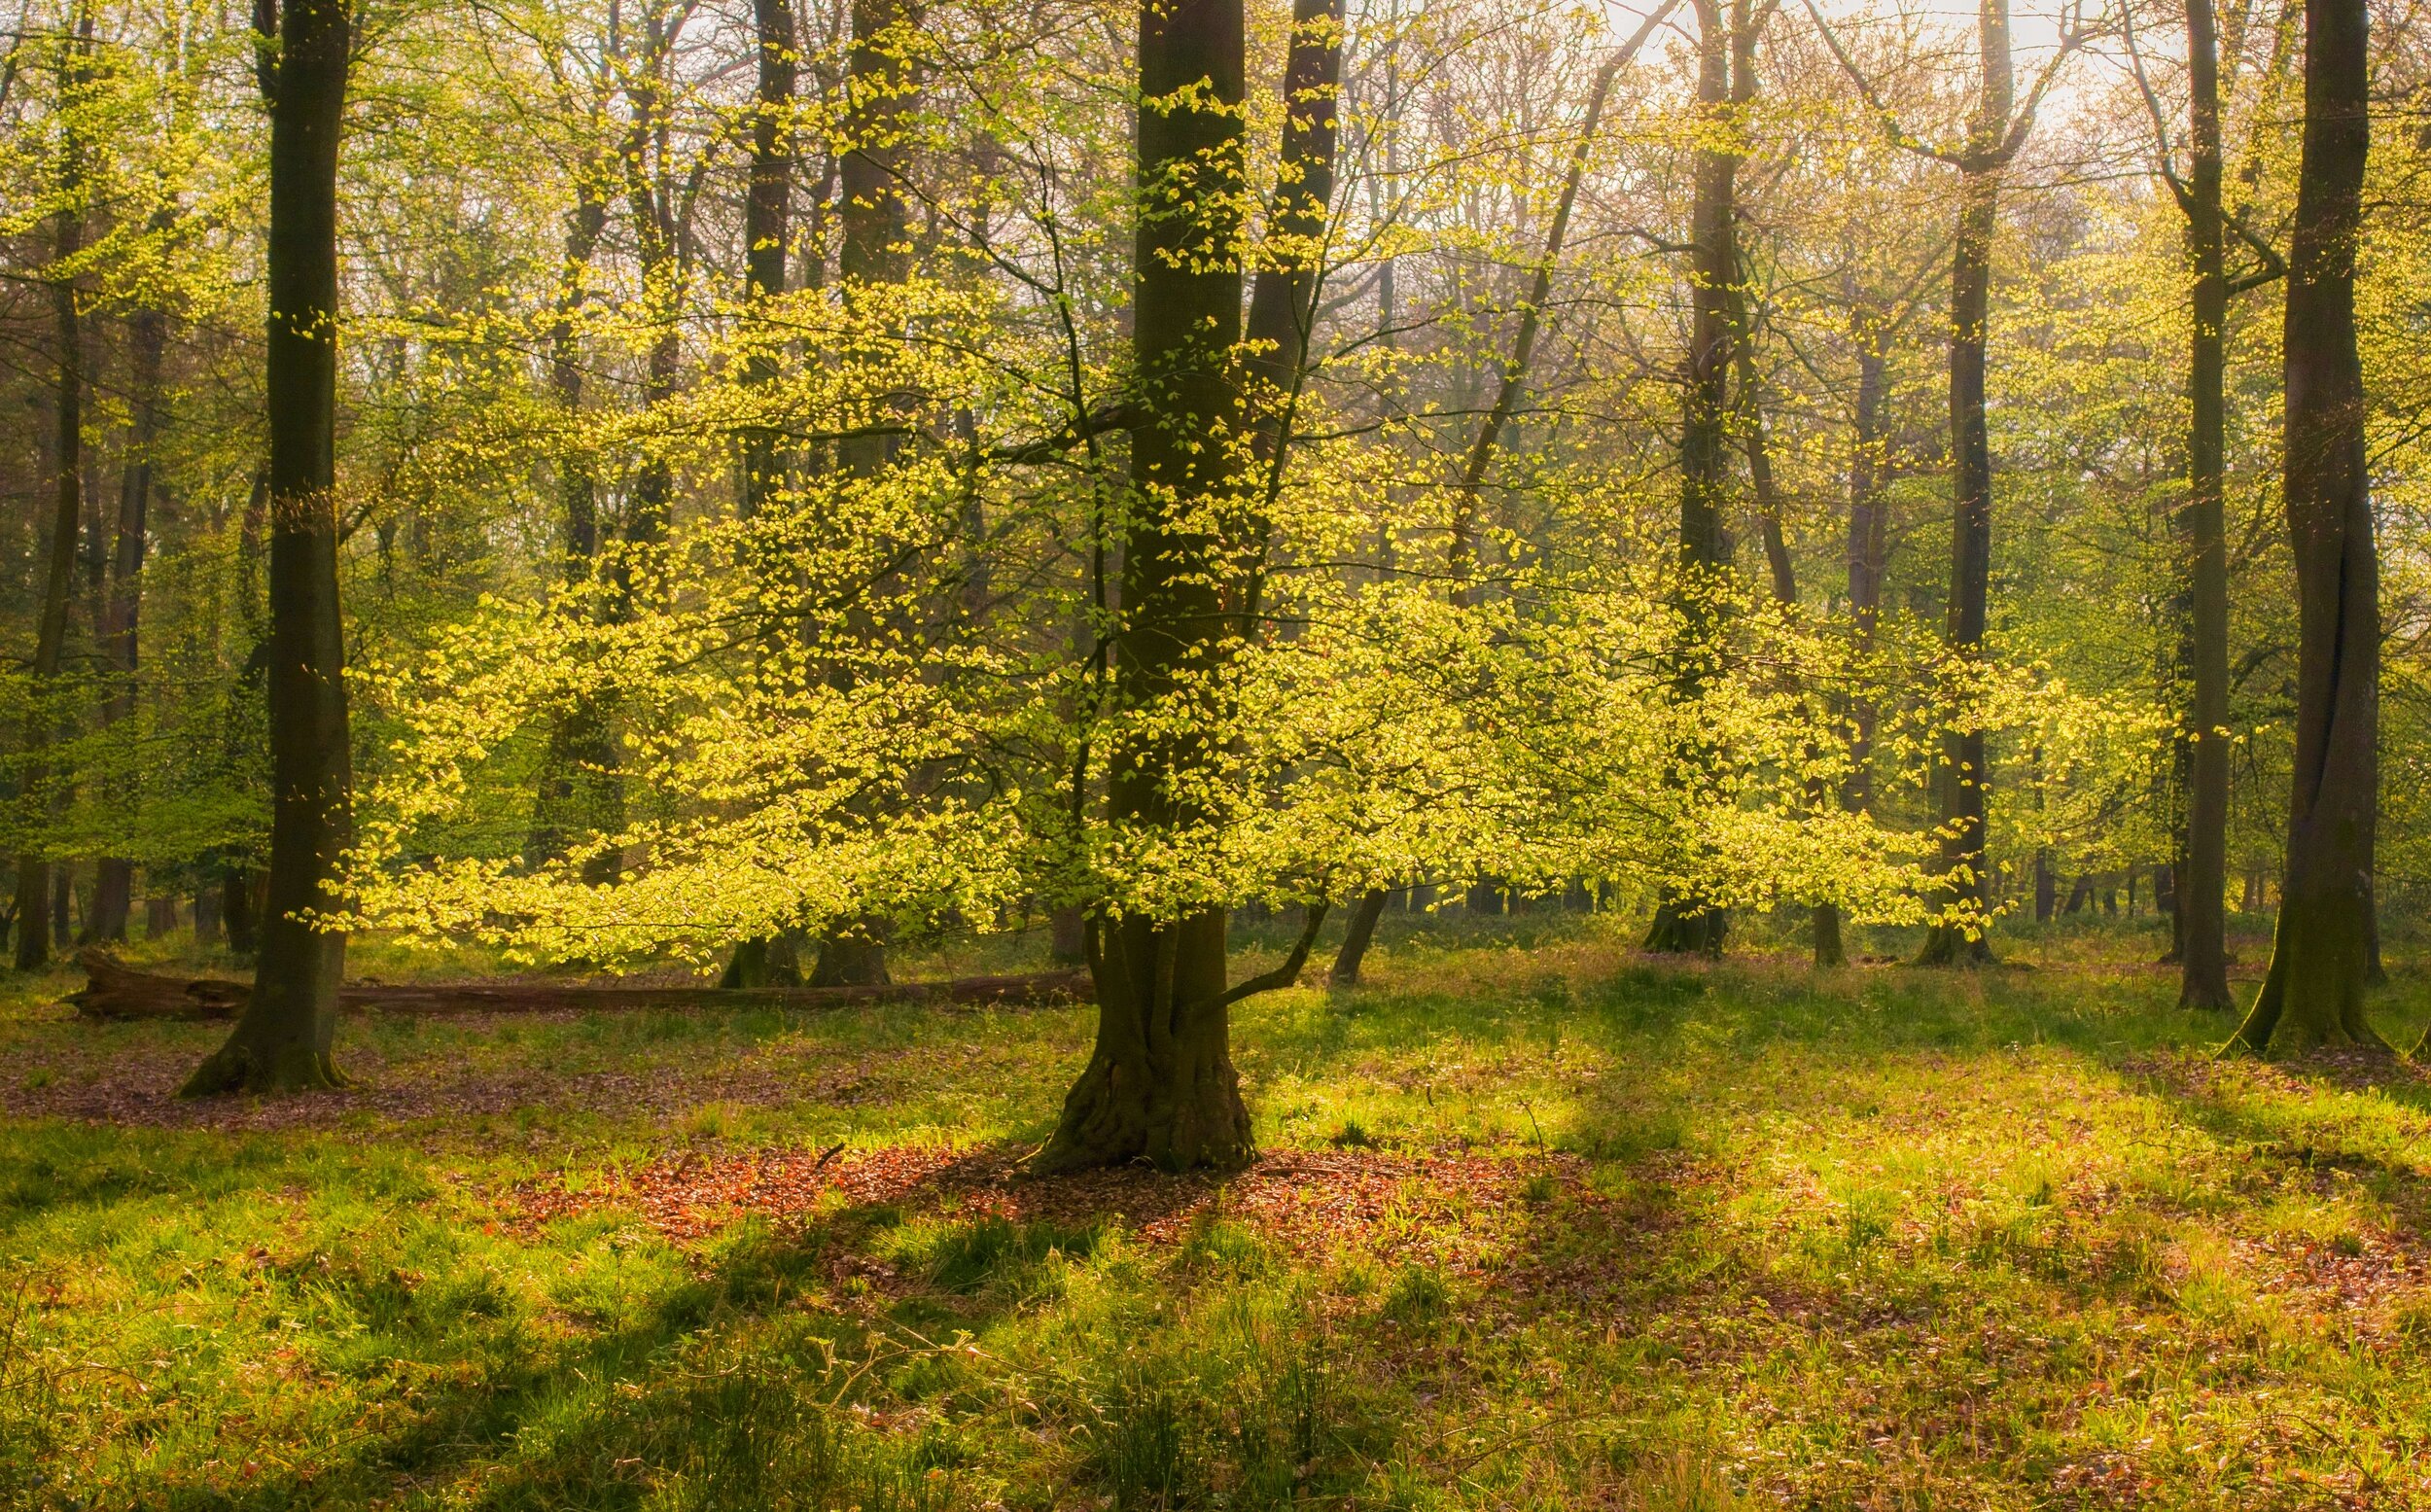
(1878, 1238)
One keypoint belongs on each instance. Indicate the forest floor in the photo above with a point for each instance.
(1539, 1224)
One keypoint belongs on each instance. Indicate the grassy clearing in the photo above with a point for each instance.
(1541, 1225)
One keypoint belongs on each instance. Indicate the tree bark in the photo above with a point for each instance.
(2321, 956)
(1683, 921)
(764, 216)
(1359, 932)
(1067, 938)
(873, 253)
(1282, 302)
(579, 788)
(1961, 776)
(1160, 1081)
(282, 1041)
(2200, 922)
(33, 868)
(764, 960)
(114, 885)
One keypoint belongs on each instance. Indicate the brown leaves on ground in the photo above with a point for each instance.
(128, 1076)
(1310, 1203)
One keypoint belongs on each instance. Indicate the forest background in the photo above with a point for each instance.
(747, 514)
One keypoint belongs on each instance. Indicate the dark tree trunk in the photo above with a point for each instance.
(580, 792)
(772, 960)
(236, 913)
(282, 1041)
(764, 961)
(2201, 924)
(1359, 932)
(207, 903)
(2080, 894)
(870, 211)
(114, 885)
(160, 916)
(1962, 774)
(1160, 1083)
(1684, 922)
(1868, 547)
(1282, 302)
(1067, 938)
(1828, 950)
(33, 870)
(2321, 958)
(2046, 886)
(852, 957)
(765, 217)
(874, 252)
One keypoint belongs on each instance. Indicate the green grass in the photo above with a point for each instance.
(1545, 1226)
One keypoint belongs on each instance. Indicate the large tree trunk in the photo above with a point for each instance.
(2321, 958)
(282, 1041)
(2200, 922)
(114, 885)
(33, 870)
(1961, 775)
(1683, 921)
(1160, 1083)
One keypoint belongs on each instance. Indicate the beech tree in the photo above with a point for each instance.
(282, 1041)
(1160, 1083)
(2322, 951)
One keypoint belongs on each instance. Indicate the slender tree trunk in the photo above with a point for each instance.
(2200, 922)
(33, 870)
(1282, 302)
(2321, 957)
(1867, 543)
(1462, 563)
(1160, 1083)
(580, 792)
(114, 884)
(282, 1041)
(1683, 921)
(763, 962)
(1962, 774)
(765, 217)
(1358, 935)
(874, 232)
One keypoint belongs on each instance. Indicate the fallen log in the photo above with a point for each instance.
(116, 991)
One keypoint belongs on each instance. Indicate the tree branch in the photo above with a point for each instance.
(1287, 975)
